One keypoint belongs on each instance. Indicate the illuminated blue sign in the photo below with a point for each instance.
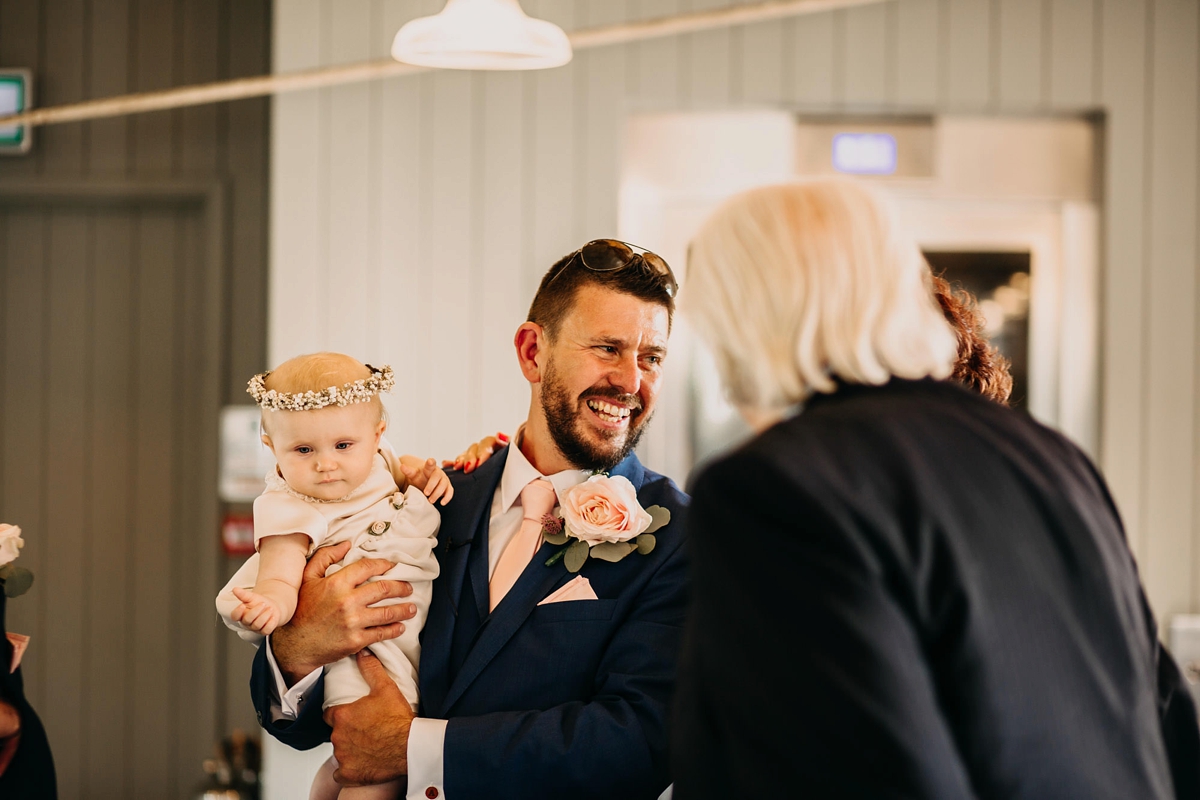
(864, 153)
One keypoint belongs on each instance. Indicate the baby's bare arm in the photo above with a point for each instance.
(272, 602)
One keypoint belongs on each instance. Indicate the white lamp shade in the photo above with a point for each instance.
(482, 34)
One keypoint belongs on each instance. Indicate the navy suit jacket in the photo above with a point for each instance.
(564, 700)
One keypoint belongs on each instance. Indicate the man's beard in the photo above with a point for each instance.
(563, 419)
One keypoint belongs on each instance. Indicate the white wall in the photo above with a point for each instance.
(412, 218)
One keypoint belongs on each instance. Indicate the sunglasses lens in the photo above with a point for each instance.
(605, 255)
(609, 255)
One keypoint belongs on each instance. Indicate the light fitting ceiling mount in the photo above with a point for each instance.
(482, 34)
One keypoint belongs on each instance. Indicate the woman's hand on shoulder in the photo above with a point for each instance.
(473, 457)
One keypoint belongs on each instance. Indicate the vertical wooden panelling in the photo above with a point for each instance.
(865, 56)
(153, 673)
(763, 64)
(655, 77)
(1019, 83)
(550, 156)
(106, 714)
(61, 147)
(245, 138)
(446, 245)
(398, 303)
(967, 65)
(501, 224)
(155, 54)
(345, 157)
(26, 318)
(1170, 285)
(1072, 41)
(297, 274)
(601, 124)
(108, 75)
(918, 51)
(199, 144)
(811, 47)
(712, 73)
(99, 310)
(68, 405)
(1124, 78)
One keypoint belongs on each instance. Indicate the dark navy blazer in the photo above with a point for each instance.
(564, 700)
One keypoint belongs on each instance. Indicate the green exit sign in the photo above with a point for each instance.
(15, 88)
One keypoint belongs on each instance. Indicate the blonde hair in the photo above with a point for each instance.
(797, 285)
(317, 372)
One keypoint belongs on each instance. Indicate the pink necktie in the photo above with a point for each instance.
(537, 500)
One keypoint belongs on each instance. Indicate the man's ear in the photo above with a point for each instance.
(530, 341)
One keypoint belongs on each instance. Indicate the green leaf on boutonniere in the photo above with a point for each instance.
(17, 580)
(645, 543)
(659, 517)
(576, 556)
(613, 551)
(555, 538)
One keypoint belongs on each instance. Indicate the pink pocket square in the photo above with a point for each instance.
(578, 589)
(19, 642)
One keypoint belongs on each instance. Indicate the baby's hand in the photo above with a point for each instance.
(256, 611)
(431, 480)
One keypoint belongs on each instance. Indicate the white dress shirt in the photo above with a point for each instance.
(427, 736)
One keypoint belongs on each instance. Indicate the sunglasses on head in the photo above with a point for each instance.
(611, 255)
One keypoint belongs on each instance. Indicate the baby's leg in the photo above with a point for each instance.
(380, 791)
(326, 788)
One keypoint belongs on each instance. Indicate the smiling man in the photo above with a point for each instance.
(535, 682)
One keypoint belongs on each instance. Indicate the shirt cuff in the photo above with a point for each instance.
(425, 740)
(286, 704)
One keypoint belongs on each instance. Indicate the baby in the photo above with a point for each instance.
(336, 480)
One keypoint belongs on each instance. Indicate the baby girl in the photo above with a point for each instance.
(336, 480)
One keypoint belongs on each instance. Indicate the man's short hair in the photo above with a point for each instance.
(556, 293)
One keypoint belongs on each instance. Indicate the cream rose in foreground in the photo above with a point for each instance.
(10, 542)
(604, 509)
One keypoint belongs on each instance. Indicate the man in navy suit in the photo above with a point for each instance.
(532, 688)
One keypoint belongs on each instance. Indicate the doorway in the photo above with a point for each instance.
(110, 374)
(1007, 207)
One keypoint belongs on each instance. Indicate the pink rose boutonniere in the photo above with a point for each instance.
(16, 580)
(602, 518)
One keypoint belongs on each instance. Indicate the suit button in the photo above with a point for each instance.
(431, 793)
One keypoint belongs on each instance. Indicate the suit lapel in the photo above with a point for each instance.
(536, 581)
(463, 520)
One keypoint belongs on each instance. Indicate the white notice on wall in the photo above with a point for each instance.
(245, 460)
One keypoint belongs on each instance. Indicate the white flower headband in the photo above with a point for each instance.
(381, 380)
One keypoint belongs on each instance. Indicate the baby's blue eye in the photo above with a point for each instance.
(343, 445)
(303, 449)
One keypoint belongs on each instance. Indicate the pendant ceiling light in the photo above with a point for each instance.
(482, 34)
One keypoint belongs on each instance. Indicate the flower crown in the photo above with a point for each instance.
(382, 380)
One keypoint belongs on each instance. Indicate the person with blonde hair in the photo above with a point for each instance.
(903, 589)
(337, 482)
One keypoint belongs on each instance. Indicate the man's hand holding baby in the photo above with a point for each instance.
(364, 756)
(333, 617)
